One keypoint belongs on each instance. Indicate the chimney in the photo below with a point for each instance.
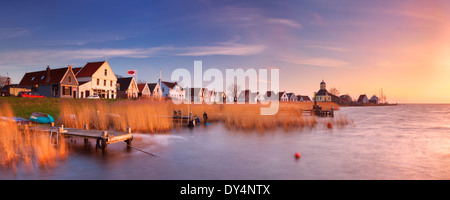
(48, 74)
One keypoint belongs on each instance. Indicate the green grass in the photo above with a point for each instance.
(23, 107)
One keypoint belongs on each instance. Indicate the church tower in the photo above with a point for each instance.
(323, 85)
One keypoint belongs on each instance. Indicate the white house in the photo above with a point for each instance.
(144, 90)
(127, 88)
(291, 97)
(283, 96)
(96, 78)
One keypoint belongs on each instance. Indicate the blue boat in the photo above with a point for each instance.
(42, 118)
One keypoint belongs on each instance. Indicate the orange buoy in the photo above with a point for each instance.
(297, 155)
(330, 125)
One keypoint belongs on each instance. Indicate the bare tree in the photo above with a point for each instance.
(3, 80)
(334, 91)
(233, 91)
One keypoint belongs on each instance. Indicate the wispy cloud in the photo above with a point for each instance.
(329, 48)
(285, 22)
(230, 49)
(6, 33)
(319, 61)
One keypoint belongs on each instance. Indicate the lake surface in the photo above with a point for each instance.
(394, 142)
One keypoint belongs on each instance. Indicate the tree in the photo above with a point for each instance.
(334, 91)
(3, 80)
(233, 91)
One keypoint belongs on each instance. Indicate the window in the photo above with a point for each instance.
(70, 79)
(32, 78)
(106, 72)
(98, 81)
(42, 77)
(104, 82)
(67, 90)
(110, 83)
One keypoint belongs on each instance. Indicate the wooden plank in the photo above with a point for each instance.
(113, 136)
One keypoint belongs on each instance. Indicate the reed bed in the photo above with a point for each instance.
(25, 146)
(142, 116)
(155, 116)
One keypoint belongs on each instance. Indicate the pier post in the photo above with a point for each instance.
(129, 140)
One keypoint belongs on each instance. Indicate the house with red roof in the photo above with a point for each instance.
(127, 88)
(144, 90)
(96, 78)
(60, 82)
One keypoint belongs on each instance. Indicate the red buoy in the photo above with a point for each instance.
(297, 155)
(330, 125)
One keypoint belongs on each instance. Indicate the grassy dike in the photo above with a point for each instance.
(23, 107)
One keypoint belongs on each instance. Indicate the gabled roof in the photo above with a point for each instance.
(141, 86)
(169, 84)
(280, 94)
(124, 83)
(361, 97)
(322, 92)
(76, 70)
(152, 86)
(303, 98)
(40, 77)
(89, 69)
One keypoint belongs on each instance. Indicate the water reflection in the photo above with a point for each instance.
(402, 142)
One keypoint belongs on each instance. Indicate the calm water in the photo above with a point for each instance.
(399, 142)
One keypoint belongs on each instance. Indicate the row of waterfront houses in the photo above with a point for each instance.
(98, 79)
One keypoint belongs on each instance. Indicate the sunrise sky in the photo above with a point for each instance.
(356, 46)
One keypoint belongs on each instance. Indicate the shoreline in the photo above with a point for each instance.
(367, 105)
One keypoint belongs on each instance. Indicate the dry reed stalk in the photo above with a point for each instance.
(155, 116)
(17, 146)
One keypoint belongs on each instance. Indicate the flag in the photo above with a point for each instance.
(132, 72)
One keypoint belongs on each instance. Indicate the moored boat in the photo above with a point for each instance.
(42, 118)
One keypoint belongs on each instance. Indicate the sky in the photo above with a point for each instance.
(356, 46)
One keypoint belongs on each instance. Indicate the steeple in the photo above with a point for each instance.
(323, 85)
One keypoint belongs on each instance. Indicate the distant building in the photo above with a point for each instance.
(197, 94)
(363, 99)
(291, 96)
(246, 96)
(373, 100)
(323, 95)
(345, 99)
(59, 82)
(96, 78)
(12, 89)
(283, 96)
(127, 88)
(144, 90)
(303, 98)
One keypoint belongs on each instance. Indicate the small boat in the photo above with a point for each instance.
(42, 118)
(17, 120)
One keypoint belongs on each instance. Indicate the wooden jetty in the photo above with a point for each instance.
(103, 138)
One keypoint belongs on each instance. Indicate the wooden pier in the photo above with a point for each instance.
(103, 138)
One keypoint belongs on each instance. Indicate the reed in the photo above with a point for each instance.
(154, 116)
(24, 146)
(143, 115)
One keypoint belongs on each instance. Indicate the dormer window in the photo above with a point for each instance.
(42, 77)
(32, 79)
